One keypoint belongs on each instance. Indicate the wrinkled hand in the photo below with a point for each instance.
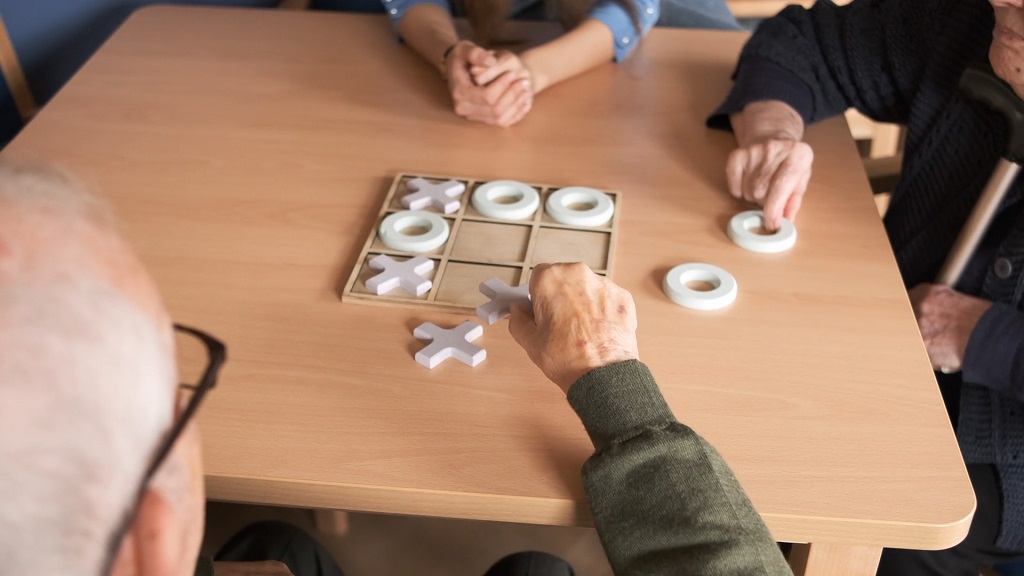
(773, 173)
(946, 319)
(264, 568)
(580, 321)
(489, 87)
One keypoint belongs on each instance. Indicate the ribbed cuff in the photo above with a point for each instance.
(617, 401)
(760, 79)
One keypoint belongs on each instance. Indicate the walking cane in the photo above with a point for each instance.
(980, 83)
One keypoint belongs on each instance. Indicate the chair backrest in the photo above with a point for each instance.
(16, 83)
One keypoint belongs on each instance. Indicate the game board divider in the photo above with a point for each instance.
(450, 244)
(361, 260)
(531, 243)
(609, 264)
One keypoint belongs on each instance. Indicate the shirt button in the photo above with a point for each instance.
(625, 39)
(1003, 268)
(393, 10)
(649, 10)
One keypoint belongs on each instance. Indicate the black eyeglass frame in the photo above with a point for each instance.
(216, 356)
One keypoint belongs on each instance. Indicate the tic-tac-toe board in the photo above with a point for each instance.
(480, 247)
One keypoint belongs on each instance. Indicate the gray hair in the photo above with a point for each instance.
(86, 381)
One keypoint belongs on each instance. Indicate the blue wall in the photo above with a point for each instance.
(53, 38)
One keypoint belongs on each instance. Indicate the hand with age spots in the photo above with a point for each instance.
(580, 321)
(946, 319)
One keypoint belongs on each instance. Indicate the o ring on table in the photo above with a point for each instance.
(413, 231)
(580, 206)
(741, 231)
(723, 286)
(506, 200)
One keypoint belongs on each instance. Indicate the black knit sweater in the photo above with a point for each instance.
(900, 61)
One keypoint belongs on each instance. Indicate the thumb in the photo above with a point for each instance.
(521, 324)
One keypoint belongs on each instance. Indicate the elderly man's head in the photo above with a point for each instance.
(87, 392)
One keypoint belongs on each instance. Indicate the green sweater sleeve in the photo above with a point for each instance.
(663, 500)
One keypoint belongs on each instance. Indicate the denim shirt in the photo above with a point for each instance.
(607, 12)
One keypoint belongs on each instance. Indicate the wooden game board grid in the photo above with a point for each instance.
(465, 298)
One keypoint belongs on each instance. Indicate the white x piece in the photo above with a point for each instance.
(450, 343)
(407, 275)
(441, 196)
(502, 296)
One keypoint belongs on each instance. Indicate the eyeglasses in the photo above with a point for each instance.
(200, 358)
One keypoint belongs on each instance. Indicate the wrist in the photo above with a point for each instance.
(538, 79)
(767, 120)
(444, 59)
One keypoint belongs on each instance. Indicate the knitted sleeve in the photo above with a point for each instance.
(868, 54)
(663, 500)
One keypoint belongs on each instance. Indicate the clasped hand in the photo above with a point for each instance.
(946, 319)
(492, 87)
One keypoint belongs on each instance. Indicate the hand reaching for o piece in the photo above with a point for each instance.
(580, 321)
(772, 173)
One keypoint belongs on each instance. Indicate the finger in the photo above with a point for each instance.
(500, 95)
(518, 112)
(478, 56)
(522, 325)
(751, 175)
(782, 188)
(734, 168)
(797, 199)
(505, 63)
(764, 174)
(515, 108)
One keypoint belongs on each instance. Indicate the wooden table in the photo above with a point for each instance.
(247, 153)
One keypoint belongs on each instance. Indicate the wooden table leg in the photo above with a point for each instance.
(333, 522)
(830, 559)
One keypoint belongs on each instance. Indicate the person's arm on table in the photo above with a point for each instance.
(663, 500)
(804, 65)
(609, 33)
(427, 27)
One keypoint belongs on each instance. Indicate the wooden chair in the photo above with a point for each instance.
(15, 78)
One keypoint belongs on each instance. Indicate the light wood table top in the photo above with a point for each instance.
(247, 153)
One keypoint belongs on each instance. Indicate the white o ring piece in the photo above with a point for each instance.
(521, 200)
(392, 233)
(723, 293)
(779, 241)
(599, 212)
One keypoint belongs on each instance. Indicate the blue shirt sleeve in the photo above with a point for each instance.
(617, 19)
(397, 8)
(995, 352)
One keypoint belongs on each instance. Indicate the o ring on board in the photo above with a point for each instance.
(431, 231)
(597, 209)
(506, 200)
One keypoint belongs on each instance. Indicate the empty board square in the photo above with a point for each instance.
(565, 245)
(380, 247)
(365, 273)
(491, 242)
(546, 219)
(460, 282)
